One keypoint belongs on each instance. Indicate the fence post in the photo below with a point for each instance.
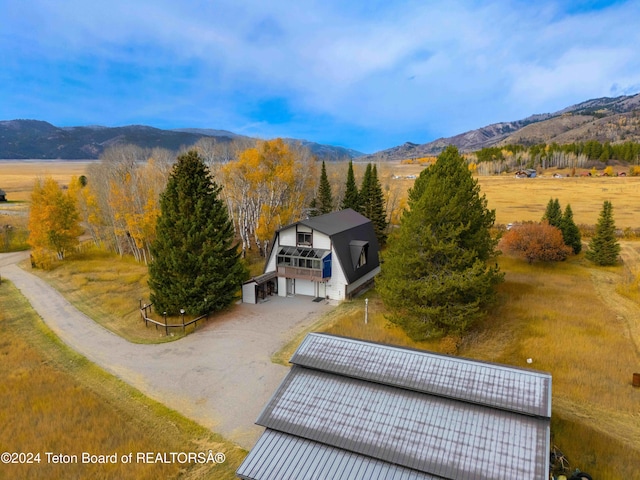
(182, 313)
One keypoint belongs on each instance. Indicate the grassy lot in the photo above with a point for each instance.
(53, 400)
(108, 289)
(570, 320)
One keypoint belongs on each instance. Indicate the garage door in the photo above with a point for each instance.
(305, 287)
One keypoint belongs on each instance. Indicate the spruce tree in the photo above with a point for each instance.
(436, 276)
(325, 199)
(365, 191)
(351, 198)
(553, 213)
(376, 211)
(604, 248)
(196, 265)
(570, 231)
(372, 204)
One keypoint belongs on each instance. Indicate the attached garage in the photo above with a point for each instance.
(305, 287)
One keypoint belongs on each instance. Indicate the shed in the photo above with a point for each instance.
(361, 410)
(3, 195)
(259, 288)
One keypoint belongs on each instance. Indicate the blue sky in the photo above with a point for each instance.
(368, 75)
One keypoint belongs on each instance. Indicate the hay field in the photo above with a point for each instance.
(525, 199)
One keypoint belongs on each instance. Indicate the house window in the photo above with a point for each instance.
(363, 257)
(359, 253)
(301, 257)
(305, 238)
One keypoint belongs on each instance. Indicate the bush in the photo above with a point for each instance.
(536, 241)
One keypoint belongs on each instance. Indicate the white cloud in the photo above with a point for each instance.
(434, 67)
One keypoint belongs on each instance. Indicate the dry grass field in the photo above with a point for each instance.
(53, 400)
(108, 289)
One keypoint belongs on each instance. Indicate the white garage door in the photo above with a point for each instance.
(305, 287)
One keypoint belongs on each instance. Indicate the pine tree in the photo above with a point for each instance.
(435, 277)
(604, 248)
(351, 198)
(570, 231)
(325, 199)
(553, 213)
(372, 204)
(365, 191)
(196, 265)
(376, 211)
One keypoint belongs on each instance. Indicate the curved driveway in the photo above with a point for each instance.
(221, 376)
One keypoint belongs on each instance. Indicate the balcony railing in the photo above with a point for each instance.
(304, 273)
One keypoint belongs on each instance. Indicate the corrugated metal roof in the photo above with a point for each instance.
(279, 456)
(431, 434)
(498, 386)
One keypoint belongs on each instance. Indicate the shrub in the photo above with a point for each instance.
(536, 241)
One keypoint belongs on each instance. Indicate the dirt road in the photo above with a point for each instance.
(221, 376)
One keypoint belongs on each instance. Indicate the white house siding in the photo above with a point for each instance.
(288, 237)
(322, 241)
(249, 292)
(336, 284)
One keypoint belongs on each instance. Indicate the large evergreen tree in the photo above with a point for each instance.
(435, 277)
(365, 191)
(196, 265)
(372, 204)
(553, 213)
(351, 196)
(570, 231)
(325, 199)
(604, 248)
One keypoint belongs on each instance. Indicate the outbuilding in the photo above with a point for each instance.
(352, 409)
(3, 195)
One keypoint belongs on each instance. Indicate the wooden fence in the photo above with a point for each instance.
(145, 310)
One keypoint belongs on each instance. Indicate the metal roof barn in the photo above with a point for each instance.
(369, 407)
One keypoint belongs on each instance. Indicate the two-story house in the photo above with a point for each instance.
(330, 256)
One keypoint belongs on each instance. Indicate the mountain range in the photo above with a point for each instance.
(603, 119)
(36, 139)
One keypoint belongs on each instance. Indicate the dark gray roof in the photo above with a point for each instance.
(260, 279)
(431, 434)
(498, 386)
(349, 406)
(335, 222)
(271, 460)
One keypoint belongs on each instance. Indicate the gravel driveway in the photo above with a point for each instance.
(221, 376)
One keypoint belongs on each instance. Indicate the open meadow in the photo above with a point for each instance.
(579, 322)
